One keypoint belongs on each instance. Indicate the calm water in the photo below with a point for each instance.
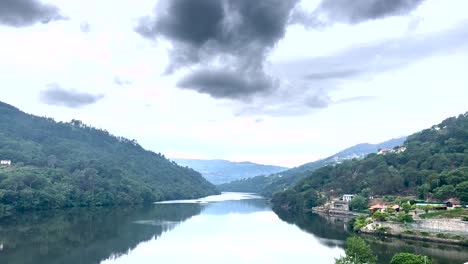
(231, 228)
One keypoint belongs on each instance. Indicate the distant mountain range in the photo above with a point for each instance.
(222, 171)
(267, 185)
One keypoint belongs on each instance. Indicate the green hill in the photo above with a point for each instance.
(268, 185)
(58, 164)
(433, 166)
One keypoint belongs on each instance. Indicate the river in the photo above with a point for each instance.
(229, 228)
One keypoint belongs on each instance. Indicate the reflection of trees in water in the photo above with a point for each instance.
(85, 235)
(441, 254)
(330, 232)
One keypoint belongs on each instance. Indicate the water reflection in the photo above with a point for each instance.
(333, 231)
(85, 235)
(222, 229)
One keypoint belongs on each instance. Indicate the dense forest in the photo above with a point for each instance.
(268, 185)
(433, 166)
(56, 164)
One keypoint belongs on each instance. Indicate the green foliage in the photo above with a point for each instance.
(381, 216)
(408, 258)
(70, 164)
(455, 213)
(357, 252)
(406, 207)
(434, 165)
(404, 218)
(357, 223)
(358, 203)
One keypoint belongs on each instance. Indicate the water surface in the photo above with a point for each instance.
(230, 228)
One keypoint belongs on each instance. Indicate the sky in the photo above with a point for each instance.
(280, 82)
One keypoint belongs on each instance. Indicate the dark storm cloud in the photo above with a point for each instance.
(352, 13)
(22, 13)
(56, 95)
(226, 83)
(236, 34)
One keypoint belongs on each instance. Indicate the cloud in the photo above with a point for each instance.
(220, 83)
(22, 13)
(56, 95)
(229, 38)
(332, 11)
(121, 82)
(85, 27)
(313, 79)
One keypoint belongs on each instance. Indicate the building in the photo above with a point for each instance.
(5, 162)
(348, 197)
(377, 207)
(384, 151)
(396, 207)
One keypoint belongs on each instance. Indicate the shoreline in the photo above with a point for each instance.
(415, 235)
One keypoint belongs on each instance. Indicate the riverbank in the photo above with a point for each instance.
(335, 212)
(447, 231)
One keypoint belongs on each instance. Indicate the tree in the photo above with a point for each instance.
(406, 207)
(462, 191)
(358, 203)
(357, 252)
(408, 258)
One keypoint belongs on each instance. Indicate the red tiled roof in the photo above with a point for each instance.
(377, 206)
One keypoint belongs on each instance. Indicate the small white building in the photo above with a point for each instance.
(5, 162)
(348, 197)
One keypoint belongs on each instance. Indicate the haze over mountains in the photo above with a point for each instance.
(267, 185)
(222, 171)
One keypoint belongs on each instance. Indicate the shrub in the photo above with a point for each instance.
(424, 233)
(408, 258)
(381, 216)
(442, 235)
(405, 218)
(408, 231)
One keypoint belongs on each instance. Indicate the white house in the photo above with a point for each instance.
(5, 162)
(348, 197)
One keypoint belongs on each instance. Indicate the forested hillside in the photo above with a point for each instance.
(267, 185)
(223, 171)
(59, 164)
(434, 166)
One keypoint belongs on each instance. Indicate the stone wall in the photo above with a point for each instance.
(441, 225)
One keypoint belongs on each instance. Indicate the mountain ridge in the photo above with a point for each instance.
(268, 184)
(219, 171)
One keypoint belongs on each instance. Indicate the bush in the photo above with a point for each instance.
(381, 216)
(408, 258)
(359, 222)
(424, 233)
(405, 218)
(408, 231)
(442, 235)
(357, 251)
(459, 237)
(358, 203)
